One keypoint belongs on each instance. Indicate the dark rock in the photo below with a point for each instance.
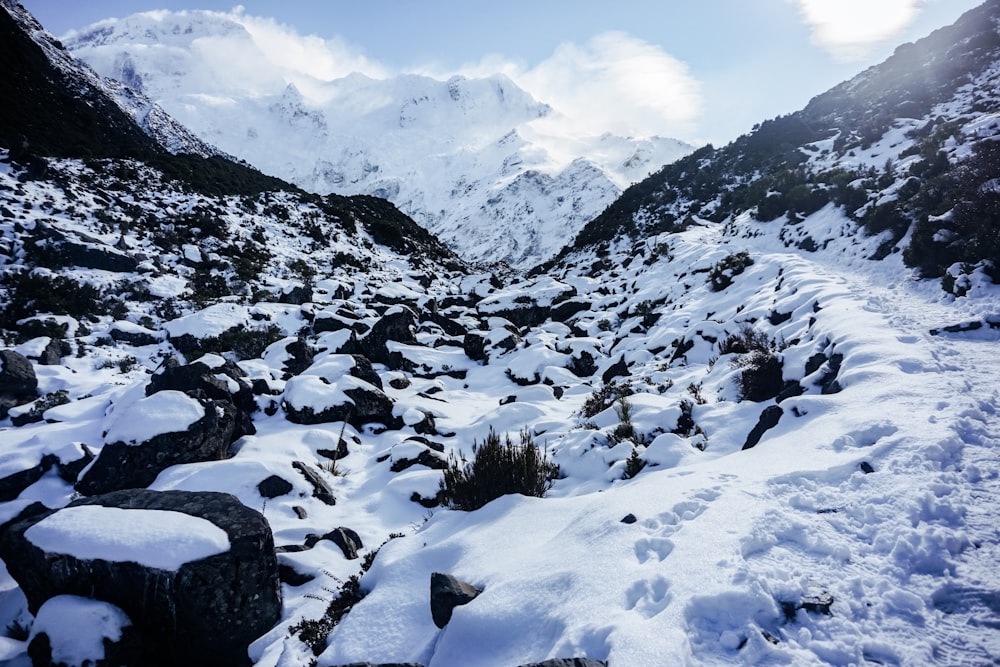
(321, 490)
(335, 454)
(568, 309)
(368, 404)
(434, 501)
(396, 325)
(828, 383)
(300, 511)
(297, 295)
(125, 466)
(54, 352)
(137, 338)
(790, 389)
(382, 664)
(448, 325)
(12, 485)
(818, 604)
(274, 486)
(776, 318)
(289, 575)
(301, 356)
(629, 518)
(198, 380)
(399, 383)
(18, 382)
(426, 458)
(507, 400)
(447, 592)
(474, 345)
(363, 370)
(866, 467)
(348, 541)
(617, 369)
(582, 364)
(85, 252)
(69, 471)
(768, 420)
(204, 613)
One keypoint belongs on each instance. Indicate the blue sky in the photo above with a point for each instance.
(700, 70)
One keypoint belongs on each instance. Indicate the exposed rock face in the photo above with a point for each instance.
(124, 466)
(18, 383)
(206, 612)
(447, 592)
(568, 662)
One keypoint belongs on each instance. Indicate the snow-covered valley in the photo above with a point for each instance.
(477, 161)
(231, 409)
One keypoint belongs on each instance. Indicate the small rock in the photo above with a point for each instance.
(321, 490)
(274, 486)
(447, 592)
(629, 519)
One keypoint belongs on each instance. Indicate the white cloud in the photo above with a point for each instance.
(313, 56)
(849, 29)
(613, 83)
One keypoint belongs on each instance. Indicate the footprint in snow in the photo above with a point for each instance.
(648, 597)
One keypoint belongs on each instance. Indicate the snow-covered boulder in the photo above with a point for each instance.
(194, 572)
(148, 436)
(527, 305)
(317, 396)
(398, 324)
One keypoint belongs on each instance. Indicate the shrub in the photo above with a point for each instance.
(722, 272)
(760, 368)
(601, 399)
(497, 469)
(633, 465)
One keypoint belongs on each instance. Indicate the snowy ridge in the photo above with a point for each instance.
(466, 158)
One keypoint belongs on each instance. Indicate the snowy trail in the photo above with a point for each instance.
(932, 566)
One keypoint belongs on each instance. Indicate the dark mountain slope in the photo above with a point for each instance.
(798, 163)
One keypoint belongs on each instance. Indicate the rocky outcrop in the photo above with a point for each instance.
(204, 612)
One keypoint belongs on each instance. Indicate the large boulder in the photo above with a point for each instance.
(72, 631)
(161, 430)
(194, 572)
(18, 382)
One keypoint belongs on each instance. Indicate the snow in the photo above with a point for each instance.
(159, 539)
(163, 412)
(77, 628)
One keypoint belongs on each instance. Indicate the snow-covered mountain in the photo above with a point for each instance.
(236, 416)
(466, 158)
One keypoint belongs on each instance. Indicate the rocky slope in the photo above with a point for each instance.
(466, 158)
(771, 447)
